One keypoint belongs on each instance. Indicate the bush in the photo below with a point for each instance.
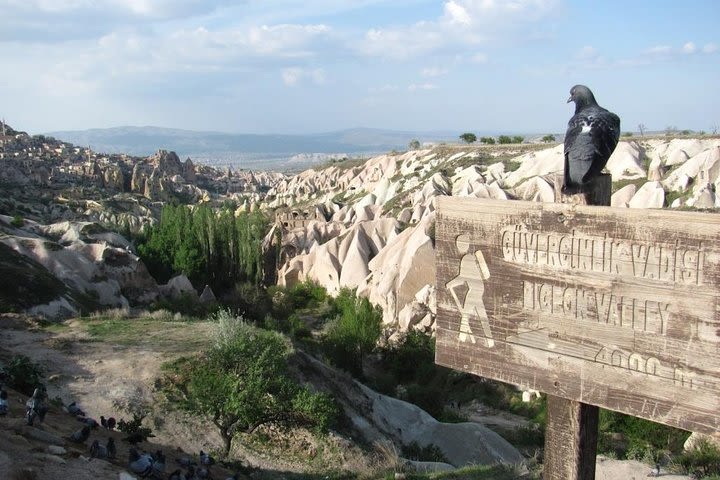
(22, 374)
(252, 301)
(136, 433)
(468, 137)
(353, 332)
(243, 383)
(17, 221)
(487, 140)
(504, 140)
(406, 359)
(702, 461)
(643, 438)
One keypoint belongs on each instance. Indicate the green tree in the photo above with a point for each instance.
(242, 383)
(487, 140)
(518, 139)
(548, 138)
(414, 144)
(504, 139)
(468, 137)
(354, 332)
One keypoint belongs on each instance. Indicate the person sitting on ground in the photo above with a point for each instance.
(3, 401)
(35, 406)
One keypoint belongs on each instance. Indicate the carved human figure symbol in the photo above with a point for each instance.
(472, 274)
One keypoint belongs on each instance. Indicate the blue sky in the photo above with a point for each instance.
(301, 66)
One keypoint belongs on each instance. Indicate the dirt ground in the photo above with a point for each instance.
(109, 379)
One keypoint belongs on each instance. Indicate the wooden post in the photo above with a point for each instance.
(571, 432)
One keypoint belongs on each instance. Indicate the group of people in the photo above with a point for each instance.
(145, 465)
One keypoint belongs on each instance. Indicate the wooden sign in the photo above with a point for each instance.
(610, 307)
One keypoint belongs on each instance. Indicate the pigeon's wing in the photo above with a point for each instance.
(605, 133)
(591, 137)
(578, 151)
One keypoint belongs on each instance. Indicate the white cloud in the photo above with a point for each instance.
(689, 47)
(423, 86)
(456, 13)
(463, 25)
(479, 58)
(294, 75)
(383, 89)
(400, 43)
(710, 48)
(434, 72)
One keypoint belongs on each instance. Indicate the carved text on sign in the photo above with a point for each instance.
(595, 306)
(649, 260)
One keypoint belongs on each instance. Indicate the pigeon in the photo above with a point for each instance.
(186, 462)
(111, 449)
(73, 409)
(177, 475)
(158, 467)
(90, 422)
(81, 436)
(140, 464)
(35, 406)
(591, 137)
(111, 423)
(97, 450)
(206, 459)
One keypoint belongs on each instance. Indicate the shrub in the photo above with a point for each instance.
(405, 359)
(487, 140)
(253, 301)
(136, 433)
(353, 332)
(702, 461)
(468, 137)
(22, 374)
(643, 437)
(227, 326)
(243, 384)
(504, 140)
(17, 221)
(548, 138)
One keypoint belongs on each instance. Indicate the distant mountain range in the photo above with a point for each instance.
(270, 151)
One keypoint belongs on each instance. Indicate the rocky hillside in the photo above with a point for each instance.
(371, 226)
(360, 224)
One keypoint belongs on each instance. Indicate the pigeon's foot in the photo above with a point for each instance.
(571, 189)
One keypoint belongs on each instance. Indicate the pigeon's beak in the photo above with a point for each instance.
(569, 99)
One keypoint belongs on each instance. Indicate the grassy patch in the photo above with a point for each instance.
(638, 182)
(163, 331)
(478, 472)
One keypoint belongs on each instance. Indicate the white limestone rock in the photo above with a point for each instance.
(650, 195)
(622, 197)
(626, 161)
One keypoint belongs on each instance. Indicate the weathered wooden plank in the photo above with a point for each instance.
(612, 307)
(573, 430)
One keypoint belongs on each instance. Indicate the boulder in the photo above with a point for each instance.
(207, 295)
(410, 315)
(650, 195)
(178, 286)
(622, 197)
(626, 161)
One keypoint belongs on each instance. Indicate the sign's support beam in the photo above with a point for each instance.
(571, 432)
(570, 440)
